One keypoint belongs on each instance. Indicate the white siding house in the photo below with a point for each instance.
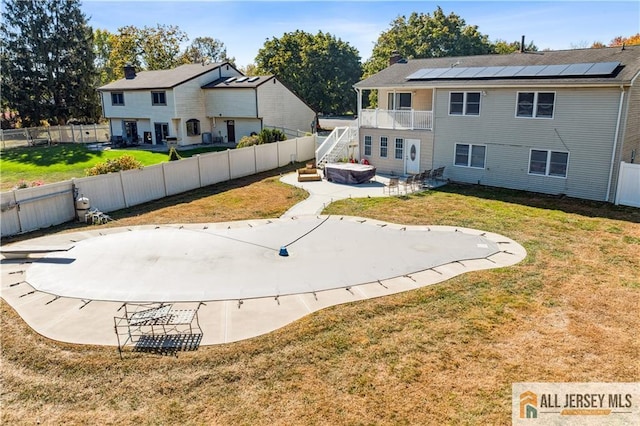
(190, 105)
(251, 103)
(556, 122)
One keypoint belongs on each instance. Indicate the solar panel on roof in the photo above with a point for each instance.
(530, 70)
(252, 79)
(602, 68)
(416, 75)
(508, 71)
(241, 79)
(552, 70)
(449, 73)
(470, 72)
(437, 72)
(229, 80)
(428, 72)
(576, 69)
(488, 72)
(559, 70)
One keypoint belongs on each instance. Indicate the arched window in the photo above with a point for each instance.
(193, 127)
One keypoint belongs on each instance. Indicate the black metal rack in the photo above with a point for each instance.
(159, 328)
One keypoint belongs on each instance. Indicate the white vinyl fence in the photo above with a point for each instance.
(29, 209)
(628, 192)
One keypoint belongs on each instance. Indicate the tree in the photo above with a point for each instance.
(160, 47)
(102, 47)
(124, 50)
(426, 36)
(250, 70)
(145, 48)
(48, 61)
(319, 68)
(153, 48)
(634, 40)
(502, 47)
(206, 49)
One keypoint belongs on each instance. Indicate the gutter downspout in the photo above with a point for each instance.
(255, 97)
(615, 143)
(359, 109)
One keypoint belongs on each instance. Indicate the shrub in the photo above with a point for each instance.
(248, 141)
(271, 135)
(126, 162)
(265, 136)
(173, 154)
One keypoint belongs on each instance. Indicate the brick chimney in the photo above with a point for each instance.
(394, 58)
(129, 72)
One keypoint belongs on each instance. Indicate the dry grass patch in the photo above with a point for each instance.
(445, 354)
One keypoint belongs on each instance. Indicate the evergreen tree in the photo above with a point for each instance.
(48, 61)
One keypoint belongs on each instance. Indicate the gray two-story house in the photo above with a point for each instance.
(556, 122)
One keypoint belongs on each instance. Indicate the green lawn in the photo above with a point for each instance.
(445, 354)
(60, 162)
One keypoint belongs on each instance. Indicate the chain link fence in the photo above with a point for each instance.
(32, 136)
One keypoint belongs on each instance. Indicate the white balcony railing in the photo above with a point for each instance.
(392, 119)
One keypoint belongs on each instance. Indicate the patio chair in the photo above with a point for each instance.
(393, 185)
(418, 181)
(425, 178)
(408, 184)
(438, 174)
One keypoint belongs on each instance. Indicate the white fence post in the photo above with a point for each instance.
(124, 193)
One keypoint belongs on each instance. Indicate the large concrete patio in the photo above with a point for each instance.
(237, 270)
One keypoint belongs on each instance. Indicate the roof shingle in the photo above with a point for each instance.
(161, 79)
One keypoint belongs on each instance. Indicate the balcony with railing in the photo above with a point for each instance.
(397, 119)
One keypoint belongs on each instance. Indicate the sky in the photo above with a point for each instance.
(244, 26)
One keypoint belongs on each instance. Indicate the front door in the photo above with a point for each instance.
(412, 157)
(131, 131)
(231, 131)
(161, 131)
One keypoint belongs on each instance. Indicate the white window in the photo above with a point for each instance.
(117, 98)
(464, 103)
(193, 127)
(548, 163)
(535, 104)
(384, 146)
(399, 148)
(468, 155)
(158, 98)
(398, 101)
(367, 145)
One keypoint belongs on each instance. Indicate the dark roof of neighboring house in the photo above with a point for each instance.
(396, 74)
(162, 79)
(238, 82)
